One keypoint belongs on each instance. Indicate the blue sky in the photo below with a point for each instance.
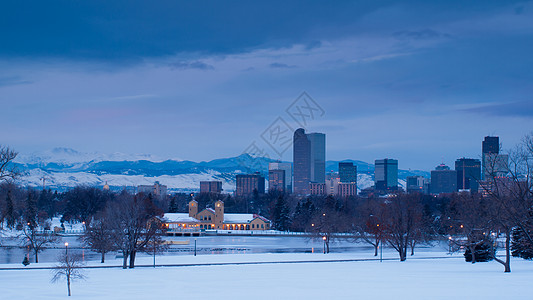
(420, 81)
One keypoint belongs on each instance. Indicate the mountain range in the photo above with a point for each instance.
(64, 168)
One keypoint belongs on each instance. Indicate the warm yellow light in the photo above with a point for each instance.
(313, 224)
(324, 238)
(450, 238)
(66, 244)
(461, 226)
(377, 225)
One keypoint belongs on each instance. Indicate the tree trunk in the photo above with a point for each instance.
(412, 250)
(124, 260)
(507, 252)
(36, 255)
(68, 284)
(473, 252)
(327, 246)
(103, 257)
(132, 259)
(376, 246)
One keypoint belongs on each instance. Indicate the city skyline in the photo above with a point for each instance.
(200, 85)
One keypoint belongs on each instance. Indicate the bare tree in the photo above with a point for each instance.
(37, 241)
(368, 224)
(134, 226)
(7, 169)
(329, 221)
(468, 222)
(403, 219)
(98, 236)
(70, 267)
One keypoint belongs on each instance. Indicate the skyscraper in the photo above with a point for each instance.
(276, 180)
(309, 156)
(347, 172)
(468, 174)
(443, 180)
(287, 167)
(386, 174)
(494, 163)
(246, 184)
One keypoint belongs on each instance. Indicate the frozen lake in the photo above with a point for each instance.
(205, 245)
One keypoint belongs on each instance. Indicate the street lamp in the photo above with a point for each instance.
(324, 238)
(66, 250)
(450, 244)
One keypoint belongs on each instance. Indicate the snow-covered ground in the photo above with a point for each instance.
(445, 278)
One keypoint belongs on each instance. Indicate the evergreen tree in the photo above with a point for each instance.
(281, 214)
(31, 210)
(173, 206)
(521, 246)
(483, 252)
(10, 211)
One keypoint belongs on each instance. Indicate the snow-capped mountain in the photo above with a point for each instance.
(63, 168)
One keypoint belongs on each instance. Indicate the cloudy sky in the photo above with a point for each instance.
(420, 81)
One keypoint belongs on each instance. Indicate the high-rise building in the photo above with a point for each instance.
(276, 180)
(443, 180)
(468, 174)
(347, 172)
(491, 144)
(386, 174)
(309, 156)
(287, 167)
(212, 186)
(494, 163)
(417, 184)
(247, 184)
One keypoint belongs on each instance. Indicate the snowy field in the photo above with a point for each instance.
(422, 278)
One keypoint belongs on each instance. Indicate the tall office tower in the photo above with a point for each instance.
(213, 186)
(443, 180)
(347, 172)
(494, 163)
(468, 174)
(386, 174)
(276, 180)
(287, 167)
(309, 156)
(491, 144)
(246, 184)
(417, 184)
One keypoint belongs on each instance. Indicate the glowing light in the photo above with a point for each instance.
(66, 244)
(324, 238)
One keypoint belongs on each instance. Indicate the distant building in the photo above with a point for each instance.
(317, 188)
(247, 184)
(346, 189)
(287, 167)
(494, 164)
(417, 184)
(211, 187)
(212, 219)
(443, 180)
(468, 174)
(276, 180)
(157, 189)
(386, 174)
(309, 156)
(347, 172)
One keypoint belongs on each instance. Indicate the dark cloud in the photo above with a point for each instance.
(281, 66)
(511, 109)
(183, 65)
(424, 34)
